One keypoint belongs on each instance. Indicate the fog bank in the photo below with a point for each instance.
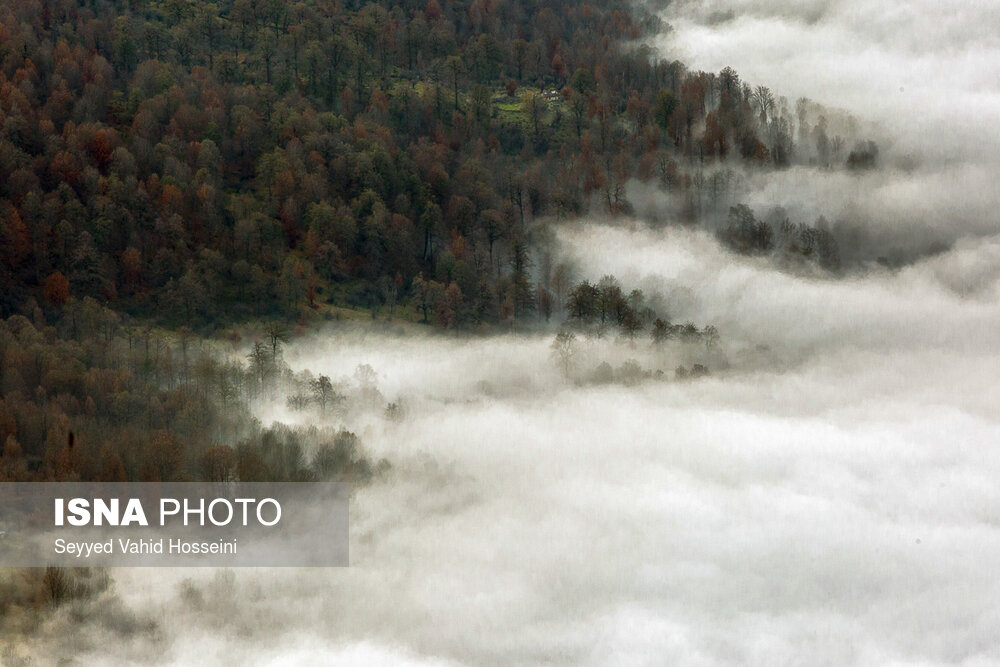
(928, 72)
(827, 499)
(923, 78)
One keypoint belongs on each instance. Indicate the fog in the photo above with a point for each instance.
(928, 71)
(895, 214)
(945, 301)
(826, 496)
(922, 78)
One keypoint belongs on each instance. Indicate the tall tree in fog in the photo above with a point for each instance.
(564, 348)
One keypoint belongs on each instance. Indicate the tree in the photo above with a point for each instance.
(164, 455)
(534, 107)
(433, 10)
(449, 305)
(260, 364)
(564, 347)
(609, 299)
(523, 296)
(455, 68)
(544, 301)
(323, 392)
(745, 234)
(663, 109)
(583, 302)
(218, 464)
(864, 156)
(131, 264)
(277, 333)
(56, 289)
(631, 323)
(661, 331)
(520, 49)
(822, 141)
(583, 81)
(16, 239)
(764, 101)
(711, 337)
(426, 294)
(342, 458)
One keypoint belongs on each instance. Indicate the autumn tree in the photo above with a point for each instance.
(56, 289)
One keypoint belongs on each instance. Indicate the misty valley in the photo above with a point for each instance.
(644, 333)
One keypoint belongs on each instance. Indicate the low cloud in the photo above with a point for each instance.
(830, 500)
(922, 78)
(929, 72)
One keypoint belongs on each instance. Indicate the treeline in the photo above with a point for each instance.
(746, 234)
(629, 372)
(596, 308)
(93, 398)
(200, 162)
(26, 592)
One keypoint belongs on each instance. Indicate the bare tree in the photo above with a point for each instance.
(259, 364)
(564, 347)
(763, 100)
(323, 392)
(277, 333)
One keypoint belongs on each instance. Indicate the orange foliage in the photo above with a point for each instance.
(17, 240)
(172, 200)
(433, 10)
(100, 149)
(56, 289)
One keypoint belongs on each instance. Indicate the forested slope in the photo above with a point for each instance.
(212, 162)
(178, 169)
(169, 169)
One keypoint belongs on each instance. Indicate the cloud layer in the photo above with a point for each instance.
(830, 499)
(928, 71)
(922, 77)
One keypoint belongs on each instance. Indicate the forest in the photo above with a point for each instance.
(642, 331)
(171, 170)
(182, 180)
(208, 163)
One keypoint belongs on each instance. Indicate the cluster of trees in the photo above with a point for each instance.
(89, 395)
(594, 309)
(864, 156)
(336, 396)
(605, 305)
(95, 398)
(746, 234)
(630, 372)
(32, 589)
(198, 162)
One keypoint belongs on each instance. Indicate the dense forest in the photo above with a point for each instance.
(527, 283)
(175, 173)
(204, 163)
(175, 169)
(109, 402)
